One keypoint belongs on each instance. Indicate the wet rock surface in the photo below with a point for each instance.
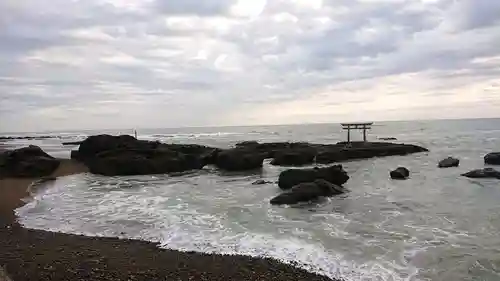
(449, 162)
(483, 173)
(307, 191)
(334, 174)
(401, 173)
(29, 162)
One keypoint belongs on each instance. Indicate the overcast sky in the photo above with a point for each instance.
(92, 64)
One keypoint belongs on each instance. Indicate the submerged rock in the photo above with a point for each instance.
(492, 158)
(449, 162)
(307, 191)
(483, 173)
(401, 173)
(29, 161)
(334, 174)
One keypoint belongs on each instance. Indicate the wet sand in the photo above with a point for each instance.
(28, 254)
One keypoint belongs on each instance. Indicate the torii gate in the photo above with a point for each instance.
(356, 126)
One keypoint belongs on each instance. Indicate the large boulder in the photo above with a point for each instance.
(492, 158)
(401, 173)
(292, 177)
(29, 161)
(238, 159)
(93, 145)
(291, 157)
(126, 155)
(449, 162)
(483, 173)
(307, 191)
(142, 162)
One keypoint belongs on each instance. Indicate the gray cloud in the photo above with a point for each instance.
(194, 63)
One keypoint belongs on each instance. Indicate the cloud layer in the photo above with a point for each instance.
(153, 63)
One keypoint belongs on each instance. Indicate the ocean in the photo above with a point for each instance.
(435, 226)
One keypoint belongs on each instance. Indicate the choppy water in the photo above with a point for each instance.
(434, 226)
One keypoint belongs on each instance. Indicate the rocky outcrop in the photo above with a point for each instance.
(239, 159)
(290, 157)
(261, 182)
(492, 158)
(449, 162)
(72, 143)
(334, 174)
(342, 152)
(307, 191)
(125, 155)
(401, 173)
(29, 162)
(483, 173)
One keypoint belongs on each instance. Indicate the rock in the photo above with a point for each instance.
(29, 161)
(238, 159)
(449, 162)
(307, 191)
(94, 145)
(401, 173)
(492, 158)
(261, 182)
(72, 143)
(126, 155)
(333, 174)
(360, 150)
(483, 173)
(145, 162)
(388, 138)
(294, 157)
(246, 144)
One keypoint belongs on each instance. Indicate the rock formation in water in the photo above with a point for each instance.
(292, 177)
(492, 158)
(239, 159)
(28, 162)
(125, 155)
(449, 162)
(401, 173)
(483, 173)
(307, 191)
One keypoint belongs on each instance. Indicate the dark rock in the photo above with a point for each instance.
(145, 162)
(294, 157)
(401, 173)
(334, 174)
(126, 155)
(246, 144)
(307, 191)
(75, 154)
(483, 173)
(388, 139)
(449, 162)
(492, 158)
(260, 182)
(238, 159)
(360, 150)
(72, 143)
(29, 161)
(94, 145)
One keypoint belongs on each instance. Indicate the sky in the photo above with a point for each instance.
(96, 64)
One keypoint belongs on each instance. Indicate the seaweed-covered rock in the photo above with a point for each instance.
(449, 162)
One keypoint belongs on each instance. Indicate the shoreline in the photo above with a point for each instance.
(29, 254)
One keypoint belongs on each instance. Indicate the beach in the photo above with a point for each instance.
(28, 254)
